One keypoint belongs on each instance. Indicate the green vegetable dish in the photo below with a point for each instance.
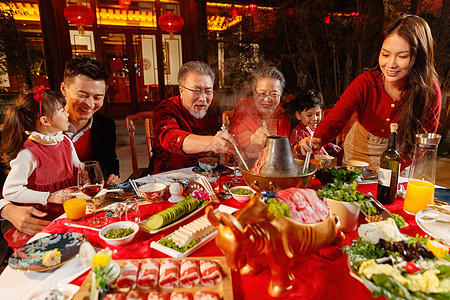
(170, 244)
(118, 233)
(347, 192)
(242, 191)
(403, 269)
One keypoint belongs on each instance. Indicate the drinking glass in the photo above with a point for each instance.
(213, 179)
(90, 183)
(74, 205)
(132, 210)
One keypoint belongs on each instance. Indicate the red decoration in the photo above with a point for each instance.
(171, 23)
(253, 7)
(234, 12)
(79, 15)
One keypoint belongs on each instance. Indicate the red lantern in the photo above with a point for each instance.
(125, 4)
(171, 23)
(253, 7)
(79, 15)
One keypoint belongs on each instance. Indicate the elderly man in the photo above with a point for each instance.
(185, 126)
(94, 135)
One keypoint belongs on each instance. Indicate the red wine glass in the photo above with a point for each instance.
(90, 182)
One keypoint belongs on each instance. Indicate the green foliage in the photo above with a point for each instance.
(20, 58)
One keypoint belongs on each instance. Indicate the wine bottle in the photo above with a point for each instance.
(389, 170)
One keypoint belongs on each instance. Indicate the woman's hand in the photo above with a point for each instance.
(303, 146)
(24, 218)
(259, 136)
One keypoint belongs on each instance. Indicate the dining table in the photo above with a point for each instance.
(323, 275)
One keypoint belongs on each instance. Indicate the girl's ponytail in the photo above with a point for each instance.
(19, 118)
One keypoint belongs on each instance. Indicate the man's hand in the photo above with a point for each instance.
(259, 136)
(112, 180)
(22, 217)
(223, 142)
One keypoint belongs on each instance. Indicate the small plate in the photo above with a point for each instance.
(29, 257)
(67, 289)
(218, 169)
(426, 219)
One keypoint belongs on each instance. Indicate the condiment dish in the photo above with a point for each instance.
(154, 191)
(353, 165)
(208, 163)
(119, 241)
(239, 197)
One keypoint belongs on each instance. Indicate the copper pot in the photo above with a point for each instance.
(274, 183)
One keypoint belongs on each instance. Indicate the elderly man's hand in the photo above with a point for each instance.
(259, 136)
(303, 146)
(22, 217)
(223, 142)
(112, 180)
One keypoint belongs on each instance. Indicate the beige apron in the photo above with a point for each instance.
(364, 146)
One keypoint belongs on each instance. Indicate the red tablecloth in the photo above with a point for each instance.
(324, 275)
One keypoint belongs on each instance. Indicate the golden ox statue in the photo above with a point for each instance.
(254, 237)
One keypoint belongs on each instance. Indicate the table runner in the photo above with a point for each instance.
(324, 275)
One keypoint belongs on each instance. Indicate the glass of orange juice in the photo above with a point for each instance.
(419, 194)
(74, 204)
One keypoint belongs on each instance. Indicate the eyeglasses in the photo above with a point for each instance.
(207, 92)
(271, 95)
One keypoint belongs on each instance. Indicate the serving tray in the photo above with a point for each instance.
(224, 289)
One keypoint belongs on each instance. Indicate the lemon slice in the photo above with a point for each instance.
(438, 249)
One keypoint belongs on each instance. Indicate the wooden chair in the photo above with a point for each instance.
(149, 134)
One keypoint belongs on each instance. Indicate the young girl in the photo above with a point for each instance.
(45, 162)
(308, 110)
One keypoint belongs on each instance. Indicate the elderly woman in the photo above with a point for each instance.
(256, 119)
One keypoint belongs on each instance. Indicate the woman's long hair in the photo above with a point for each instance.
(23, 116)
(422, 78)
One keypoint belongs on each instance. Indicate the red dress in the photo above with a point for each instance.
(54, 171)
(173, 123)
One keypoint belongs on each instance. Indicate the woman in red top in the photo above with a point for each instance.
(403, 89)
(256, 119)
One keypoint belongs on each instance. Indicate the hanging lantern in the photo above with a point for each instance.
(234, 12)
(253, 7)
(125, 4)
(79, 15)
(171, 23)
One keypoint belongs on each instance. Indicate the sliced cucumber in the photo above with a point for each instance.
(155, 222)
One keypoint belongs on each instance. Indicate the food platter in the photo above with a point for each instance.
(29, 257)
(176, 254)
(429, 221)
(171, 225)
(224, 289)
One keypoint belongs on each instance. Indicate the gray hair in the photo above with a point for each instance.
(269, 72)
(197, 67)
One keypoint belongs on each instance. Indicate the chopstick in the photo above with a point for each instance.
(81, 226)
(203, 181)
(308, 156)
(312, 134)
(135, 188)
(236, 148)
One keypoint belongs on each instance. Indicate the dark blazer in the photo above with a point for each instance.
(103, 133)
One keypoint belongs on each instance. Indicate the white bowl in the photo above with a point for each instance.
(347, 213)
(353, 165)
(241, 198)
(120, 241)
(153, 191)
